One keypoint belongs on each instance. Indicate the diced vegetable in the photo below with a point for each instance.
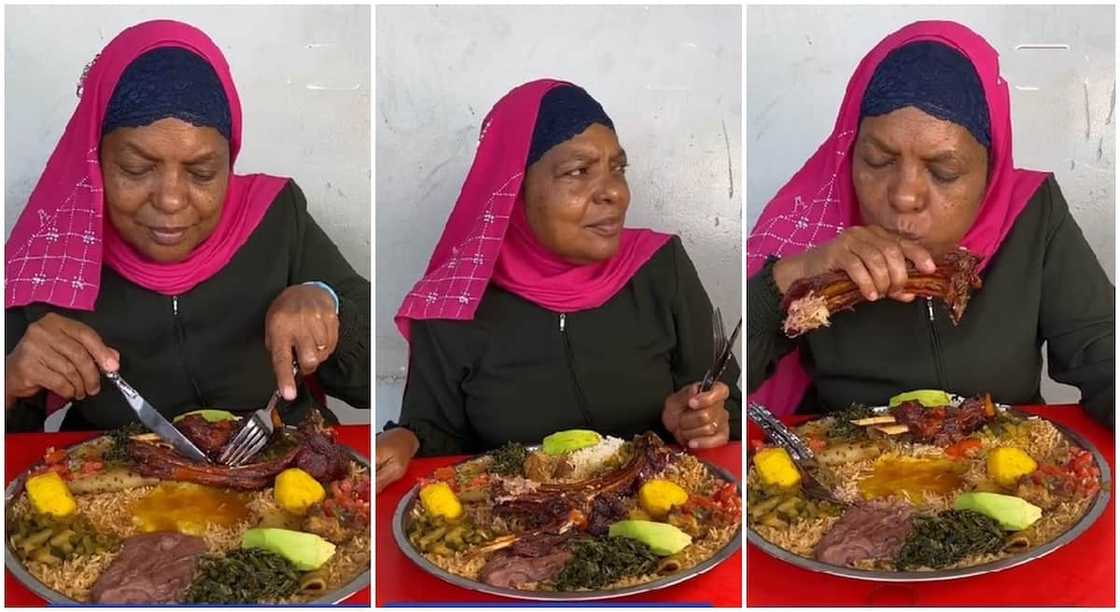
(439, 500)
(775, 468)
(657, 497)
(49, 495)
(964, 448)
(296, 491)
(1006, 465)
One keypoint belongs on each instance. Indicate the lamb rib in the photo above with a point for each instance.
(810, 302)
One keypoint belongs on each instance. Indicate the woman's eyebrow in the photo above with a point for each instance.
(879, 144)
(619, 154)
(943, 156)
(201, 158)
(138, 150)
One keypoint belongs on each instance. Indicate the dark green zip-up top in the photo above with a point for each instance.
(1043, 285)
(520, 372)
(205, 348)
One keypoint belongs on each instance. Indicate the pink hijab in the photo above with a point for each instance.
(819, 201)
(56, 249)
(487, 237)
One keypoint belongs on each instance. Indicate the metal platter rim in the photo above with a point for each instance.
(1087, 520)
(405, 546)
(12, 563)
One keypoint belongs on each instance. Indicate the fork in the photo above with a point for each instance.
(722, 347)
(803, 458)
(255, 434)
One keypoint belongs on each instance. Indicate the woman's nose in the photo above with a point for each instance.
(907, 192)
(171, 195)
(612, 191)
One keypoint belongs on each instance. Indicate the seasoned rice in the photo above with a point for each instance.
(111, 513)
(1038, 437)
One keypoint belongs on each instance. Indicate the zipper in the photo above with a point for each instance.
(181, 337)
(935, 343)
(581, 400)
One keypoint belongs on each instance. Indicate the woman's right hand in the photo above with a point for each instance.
(874, 258)
(60, 355)
(395, 449)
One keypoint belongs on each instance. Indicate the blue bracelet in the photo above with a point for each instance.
(327, 288)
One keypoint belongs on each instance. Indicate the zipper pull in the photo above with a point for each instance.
(175, 305)
(562, 317)
(929, 308)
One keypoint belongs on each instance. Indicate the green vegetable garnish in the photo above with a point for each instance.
(118, 452)
(243, 576)
(598, 562)
(509, 459)
(942, 540)
(842, 429)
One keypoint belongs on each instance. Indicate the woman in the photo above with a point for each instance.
(140, 251)
(919, 163)
(539, 312)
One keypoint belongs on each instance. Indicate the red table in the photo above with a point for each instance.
(1081, 573)
(407, 584)
(22, 450)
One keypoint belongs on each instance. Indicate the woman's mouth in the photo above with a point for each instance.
(608, 228)
(167, 236)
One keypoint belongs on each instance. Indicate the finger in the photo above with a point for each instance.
(703, 431)
(876, 264)
(53, 374)
(389, 473)
(52, 381)
(712, 441)
(82, 361)
(717, 394)
(307, 353)
(331, 322)
(853, 266)
(318, 329)
(282, 367)
(896, 265)
(919, 255)
(106, 357)
(697, 418)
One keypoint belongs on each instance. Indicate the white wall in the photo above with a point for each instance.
(302, 74)
(799, 60)
(670, 77)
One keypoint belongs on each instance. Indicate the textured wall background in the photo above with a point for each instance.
(670, 77)
(1062, 97)
(302, 74)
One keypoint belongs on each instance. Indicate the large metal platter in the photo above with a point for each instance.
(400, 518)
(12, 562)
(1095, 510)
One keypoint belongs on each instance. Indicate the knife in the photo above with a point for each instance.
(154, 421)
(722, 360)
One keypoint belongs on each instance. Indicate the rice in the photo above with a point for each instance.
(111, 513)
(587, 461)
(1037, 437)
(685, 470)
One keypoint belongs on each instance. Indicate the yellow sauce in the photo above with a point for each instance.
(188, 508)
(912, 478)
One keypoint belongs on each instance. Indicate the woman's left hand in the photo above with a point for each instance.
(301, 325)
(698, 420)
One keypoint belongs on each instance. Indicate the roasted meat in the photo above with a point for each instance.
(320, 457)
(606, 509)
(151, 568)
(810, 302)
(164, 463)
(209, 437)
(944, 425)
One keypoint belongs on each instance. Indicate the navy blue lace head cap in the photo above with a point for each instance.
(168, 82)
(565, 112)
(933, 78)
